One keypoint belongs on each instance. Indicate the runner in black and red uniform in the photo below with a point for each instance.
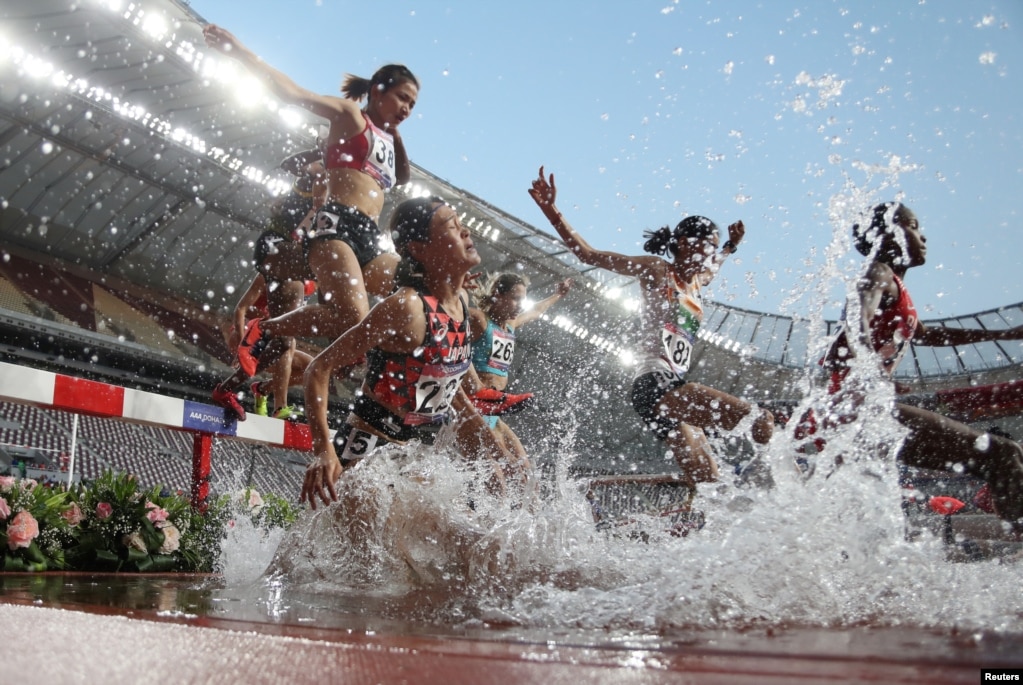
(418, 348)
(887, 325)
(281, 285)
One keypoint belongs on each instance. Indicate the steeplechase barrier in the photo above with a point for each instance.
(50, 390)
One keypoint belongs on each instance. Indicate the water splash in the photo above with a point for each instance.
(826, 546)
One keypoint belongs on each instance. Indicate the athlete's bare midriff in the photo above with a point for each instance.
(354, 188)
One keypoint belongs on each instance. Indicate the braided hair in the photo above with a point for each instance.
(886, 216)
(664, 240)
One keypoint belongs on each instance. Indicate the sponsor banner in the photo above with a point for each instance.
(207, 418)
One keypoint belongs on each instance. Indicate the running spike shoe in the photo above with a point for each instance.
(229, 401)
(259, 400)
(289, 413)
(490, 402)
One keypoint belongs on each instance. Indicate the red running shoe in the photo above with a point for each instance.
(251, 346)
(229, 401)
(490, 402)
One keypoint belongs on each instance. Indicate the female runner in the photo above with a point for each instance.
(364, 157)
(418, 349)
(675, 409)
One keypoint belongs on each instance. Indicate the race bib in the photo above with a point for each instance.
(435, 389)
(325, 223)
(380, 162)
(678, 348)
(358, 444)
(502, 350)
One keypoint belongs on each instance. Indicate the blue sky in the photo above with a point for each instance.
(790, 116)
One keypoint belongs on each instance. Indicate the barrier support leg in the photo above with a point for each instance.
(201, 446)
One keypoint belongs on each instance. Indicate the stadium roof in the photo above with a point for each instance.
(129, 149)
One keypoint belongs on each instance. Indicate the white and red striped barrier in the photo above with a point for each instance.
(50, 390)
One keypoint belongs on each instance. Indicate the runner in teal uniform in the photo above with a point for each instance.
(494, 322)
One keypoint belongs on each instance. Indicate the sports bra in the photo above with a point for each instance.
(371, 152)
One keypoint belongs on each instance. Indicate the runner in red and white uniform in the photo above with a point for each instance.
(887, 325)
(364, 156)
(675, 409)
(417, 343)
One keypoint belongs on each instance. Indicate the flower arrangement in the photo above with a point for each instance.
(36, 525)
(113, 524)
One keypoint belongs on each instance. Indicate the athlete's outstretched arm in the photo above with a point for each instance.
(393, 319)
(736, 232)
(544, 193)
(543, 305)
(280, 83)
(942, 336)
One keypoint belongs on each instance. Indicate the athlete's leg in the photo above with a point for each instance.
(692, 454)
(283, 297)
(705, 407)
(506, 436)
(938, 442)
(342, 293)
(378, 275)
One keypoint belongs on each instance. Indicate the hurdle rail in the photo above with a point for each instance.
(49, 390)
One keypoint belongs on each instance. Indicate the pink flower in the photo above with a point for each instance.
(22, 531)
(5, 509)
(73, 514)
(171, 539)
(103, 511)
(28, 484)
(155, 513)
(6, 483)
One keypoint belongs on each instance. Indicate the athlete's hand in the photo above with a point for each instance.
(320, 478)
(563, 287)
(544, 193)
(735, 233)
(219, 38)
(472, 281)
